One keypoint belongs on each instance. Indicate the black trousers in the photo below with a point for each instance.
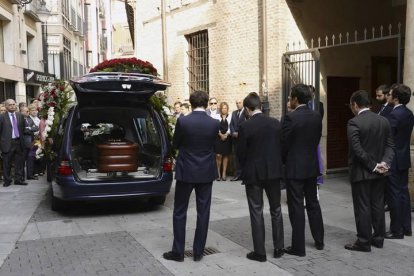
(236, 160)
(399, 202)
(16, 155)
(203, 200)
(297, 190)
(368, 200)
(254, 195)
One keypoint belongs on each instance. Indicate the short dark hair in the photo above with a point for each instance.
(402, 93)
(177, 103)
(198, 99)
(302, 93)
(186, 105)
(361, 98)
(384, 89)
(312, 88)
(252, 101)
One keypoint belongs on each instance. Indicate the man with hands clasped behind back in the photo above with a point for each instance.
(370, 156)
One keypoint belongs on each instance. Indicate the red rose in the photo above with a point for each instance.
(51, 104)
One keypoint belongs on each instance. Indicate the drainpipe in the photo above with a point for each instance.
(164, 42)
(265, 99)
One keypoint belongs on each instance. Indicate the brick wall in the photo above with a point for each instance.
(234, 46)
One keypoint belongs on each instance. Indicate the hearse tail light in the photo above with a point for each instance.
(168, 164)
(64, 168)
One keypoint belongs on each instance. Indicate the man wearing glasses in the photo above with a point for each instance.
(213, 111)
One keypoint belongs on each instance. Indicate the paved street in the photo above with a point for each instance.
(129, 238)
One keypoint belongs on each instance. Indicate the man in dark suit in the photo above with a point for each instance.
(313, 105)
(11, 143)
(196, 169)
(301, 132)
(28, 135)
(237, 117)
(383, 97)
(370, 155)
(401, 120)
(259, 153)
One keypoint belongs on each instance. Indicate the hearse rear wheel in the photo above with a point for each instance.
(57, 204)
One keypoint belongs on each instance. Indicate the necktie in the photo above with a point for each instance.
(238, 113)
(15, 128)
(382, 109)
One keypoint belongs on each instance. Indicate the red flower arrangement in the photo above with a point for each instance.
(130, 65)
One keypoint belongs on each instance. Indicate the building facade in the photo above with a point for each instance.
(230, 48)
(21, 55)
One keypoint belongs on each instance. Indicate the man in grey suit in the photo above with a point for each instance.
(370, 156)
(260, 157)
(12, 144)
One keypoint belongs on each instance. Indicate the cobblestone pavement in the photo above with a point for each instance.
(393, 259)
(116, 253)
(128, 238)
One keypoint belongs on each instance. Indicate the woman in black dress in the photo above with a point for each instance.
(223, 143)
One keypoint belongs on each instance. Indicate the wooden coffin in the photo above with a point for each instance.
(117, 156)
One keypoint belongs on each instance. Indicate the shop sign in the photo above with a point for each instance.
(37, 77)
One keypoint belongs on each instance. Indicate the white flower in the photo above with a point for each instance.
(39, 153)
(167, 110)
(47, 129)
(49, 122)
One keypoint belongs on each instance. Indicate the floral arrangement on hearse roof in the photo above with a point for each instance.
(134, 65)
(55, 100)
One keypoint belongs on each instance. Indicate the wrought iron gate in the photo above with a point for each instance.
(303, 66)
(300, 67)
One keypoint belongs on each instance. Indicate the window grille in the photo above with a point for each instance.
(198, 68)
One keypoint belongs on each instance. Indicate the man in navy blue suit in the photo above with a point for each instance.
(382, 94)
(401, 121)
(196, 169)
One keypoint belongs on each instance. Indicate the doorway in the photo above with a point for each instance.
(339, 90)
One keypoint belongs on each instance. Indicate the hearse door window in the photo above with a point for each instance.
(147, 131)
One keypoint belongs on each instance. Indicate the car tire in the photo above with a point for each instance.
(56, 204)
(158, 200)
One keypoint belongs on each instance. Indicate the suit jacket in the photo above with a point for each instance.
(370, 142)
(194, 137)
(301, 132)
(236, 121)
(6, 130)
(259, 149)
(401, 120)
(29, 130)
(386, 111)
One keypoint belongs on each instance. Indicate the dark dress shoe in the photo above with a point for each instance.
(197, 258)
(277, 253)
(33, 178)
(6, 184)
(319, 246)
(289, 250)
(377, 244)
(223, 178)
(20, 183)
(173, 256)
(357, 247)
(390, 235)
(408, 233)
(218, 179)
(256, 257)
(236, 178)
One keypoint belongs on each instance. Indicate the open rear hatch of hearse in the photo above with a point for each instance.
(116, 135)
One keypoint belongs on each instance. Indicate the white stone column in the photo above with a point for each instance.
(20, 89)
(409, 49)
(409, 78)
